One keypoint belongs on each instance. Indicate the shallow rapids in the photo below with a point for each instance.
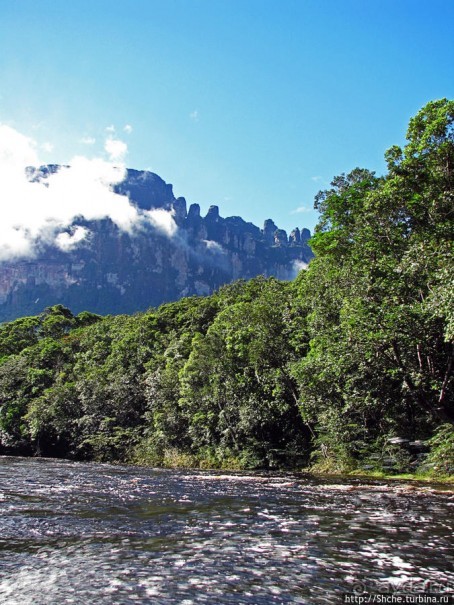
(101, 534)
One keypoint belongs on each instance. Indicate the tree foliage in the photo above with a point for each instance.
(378, 297)
(352, 358)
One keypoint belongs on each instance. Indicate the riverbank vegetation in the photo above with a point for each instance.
(349, 367)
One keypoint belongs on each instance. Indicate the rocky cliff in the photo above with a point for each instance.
(114, 271)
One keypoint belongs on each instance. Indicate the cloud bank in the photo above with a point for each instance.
(45, 210)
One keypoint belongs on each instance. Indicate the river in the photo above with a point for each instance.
(100, 534)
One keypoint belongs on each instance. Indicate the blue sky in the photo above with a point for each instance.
(251, 105)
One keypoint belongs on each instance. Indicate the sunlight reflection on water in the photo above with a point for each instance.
(101, 534)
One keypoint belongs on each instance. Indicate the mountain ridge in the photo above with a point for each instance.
(113, 271)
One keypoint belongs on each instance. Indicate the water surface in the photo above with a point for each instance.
(101, 534)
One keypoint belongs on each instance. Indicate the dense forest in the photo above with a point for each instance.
(348, 367)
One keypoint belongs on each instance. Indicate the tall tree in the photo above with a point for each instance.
(378, 297)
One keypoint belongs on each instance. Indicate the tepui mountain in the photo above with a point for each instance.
(113, 271)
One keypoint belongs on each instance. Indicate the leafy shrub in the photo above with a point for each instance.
(441, 456)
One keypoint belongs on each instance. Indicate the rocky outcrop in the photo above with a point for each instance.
(116, 272)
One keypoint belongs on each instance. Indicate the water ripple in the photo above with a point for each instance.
(101, 534)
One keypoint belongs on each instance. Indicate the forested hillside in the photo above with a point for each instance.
(349, 366)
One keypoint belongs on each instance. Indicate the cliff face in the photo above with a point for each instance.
(113, 271)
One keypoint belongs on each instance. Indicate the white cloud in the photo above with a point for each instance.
(116, 149)
(110, 129)
(301, 209)
(87, 141)
(316, 178)
(67, 241)
(47, 147)
(194, 115)
(85, 189)
(127, 128)
(46, 210)
(214, 246)
(15, 149)
(299, 265)
(162, 220)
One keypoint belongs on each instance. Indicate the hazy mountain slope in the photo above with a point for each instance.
(174, 252)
